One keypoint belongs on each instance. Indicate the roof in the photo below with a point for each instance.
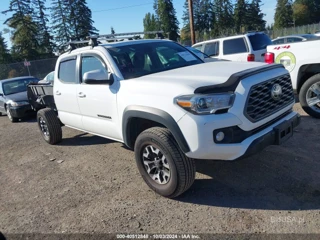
(17, 78)
(307, 36)
(229, 37)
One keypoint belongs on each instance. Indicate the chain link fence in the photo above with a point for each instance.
(311, 29)
(37, 68)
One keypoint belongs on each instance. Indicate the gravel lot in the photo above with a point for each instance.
(97, 188)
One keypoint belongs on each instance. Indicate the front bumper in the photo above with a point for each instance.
(21, 111)
(198, 132)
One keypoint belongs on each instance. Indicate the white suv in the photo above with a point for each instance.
(169, 106)
(248, 47)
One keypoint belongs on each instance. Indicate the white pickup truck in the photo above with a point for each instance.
(302, 60)
(161, 100)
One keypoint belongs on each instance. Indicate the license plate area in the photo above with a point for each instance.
(283, 132)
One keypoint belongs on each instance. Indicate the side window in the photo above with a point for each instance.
(234, 46)
(279, 41)
(291, 40)
(90, 63)
(212, 49)
(67, 71)
(198, 47)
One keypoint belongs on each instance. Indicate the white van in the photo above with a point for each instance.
(247, 47)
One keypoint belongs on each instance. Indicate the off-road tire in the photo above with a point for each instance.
(303, 96)
(182, 168)
(53, 126)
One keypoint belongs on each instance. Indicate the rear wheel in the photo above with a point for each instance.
(12, 119)
(161, 163)
(309, 96)
(49, 126)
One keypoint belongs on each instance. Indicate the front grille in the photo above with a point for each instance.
(261, 104)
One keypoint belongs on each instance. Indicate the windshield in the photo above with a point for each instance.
(259, 41)
(136, 60)
(17, 86)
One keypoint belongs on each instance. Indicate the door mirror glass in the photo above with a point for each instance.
(97, 77)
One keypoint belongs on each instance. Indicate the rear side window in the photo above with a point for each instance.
(259, 41)
(67, 71)
(234, 46)
(292, 39)
(279, 41)
(212, 49)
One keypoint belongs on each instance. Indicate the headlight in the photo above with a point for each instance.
(206, 104)
(17, 104)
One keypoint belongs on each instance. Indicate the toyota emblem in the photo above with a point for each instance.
(276, 91)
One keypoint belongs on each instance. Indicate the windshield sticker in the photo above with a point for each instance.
(187, 56)
(287, 59)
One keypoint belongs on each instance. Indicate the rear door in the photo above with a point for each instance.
(65, 90)
(258, 43)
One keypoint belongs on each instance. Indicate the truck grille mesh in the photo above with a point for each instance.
(261, 104)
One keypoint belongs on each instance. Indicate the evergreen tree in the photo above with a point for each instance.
(60, 26)
(241, 16)
(4, 52)
(306, 12)
(41, 19)
(149, 24)
(166, 18)
(112, 30)
(255, 16)
(80, 20)
(223, 10)
(24, 37)
(283, 17)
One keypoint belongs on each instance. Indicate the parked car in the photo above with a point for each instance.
(302, 60)
(317, 33)
(247, 47)
(295, 38)
(161, 100)
(13, 97)
(48, 79)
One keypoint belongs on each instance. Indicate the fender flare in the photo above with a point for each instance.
(155, 115)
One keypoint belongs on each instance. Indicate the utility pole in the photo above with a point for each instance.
(193, 38)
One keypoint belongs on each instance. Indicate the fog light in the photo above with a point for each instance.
(220, 136)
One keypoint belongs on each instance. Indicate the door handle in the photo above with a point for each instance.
(81, 95)
(58, 93)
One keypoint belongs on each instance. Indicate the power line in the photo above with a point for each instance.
(131, 6)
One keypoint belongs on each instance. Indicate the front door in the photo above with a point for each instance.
(98, 102)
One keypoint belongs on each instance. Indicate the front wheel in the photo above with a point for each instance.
(309, 96)
(12, 119)
(49, 126)
(161, 163)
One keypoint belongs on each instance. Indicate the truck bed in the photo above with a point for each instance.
(41, 96)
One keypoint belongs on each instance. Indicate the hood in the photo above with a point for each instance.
(17, 97)
(195, 76)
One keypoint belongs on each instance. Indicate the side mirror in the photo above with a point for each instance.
(97, 77)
